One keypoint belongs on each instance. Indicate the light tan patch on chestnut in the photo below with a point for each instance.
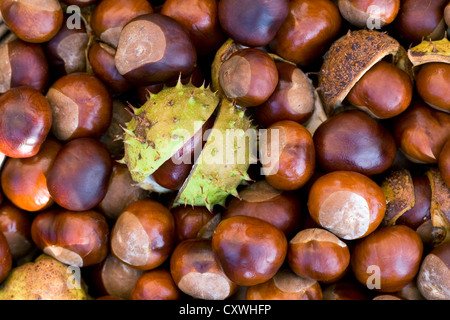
(18, 244)
(129, 240)
(433, 279)
(260, 191)
(300, 95)
(140, 43)
(316, 234)
(111, 36)
(208, 286)
(235, 77)
(48, 5)
(289, 282)
(74, 60)
(64, 255)
(64, 114)
(346, 214)
(5, 69)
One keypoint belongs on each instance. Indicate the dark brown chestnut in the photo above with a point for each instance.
(444, 162)
(433, 85)
(194, 222)
(5, 258)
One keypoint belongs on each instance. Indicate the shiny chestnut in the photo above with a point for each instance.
(156, 284)
(369, 13)
(5, 258)
(194, 222)
(444, 162)
(15, 224)
(433, 85)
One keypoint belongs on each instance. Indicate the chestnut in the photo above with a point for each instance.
(15, 224)
(347, 203)
(252, 23)
(155, 284)
(345, 290)
(197, 272)
(109, 17)
(32, 21)
(250, 250)
(25, 121)
(5, 258)
(287, 155)
(421, 131)
(444, 162)
(384, 91)
(388, 259)
(260, 200)
(249, 76)
(80, 3)
(433, 85)
(308, 30)
(81, 107)
(318, 254)
(373, 149)
(194, 222)
(293, 98)
(79, 176)
(369, 14)
(154, 48)
(433, 278)
(74, 238)
(285, 285)
(200, 18)
(23, 64)
(143, 235)
(24, 180)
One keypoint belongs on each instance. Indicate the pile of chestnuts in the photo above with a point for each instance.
(357, 92)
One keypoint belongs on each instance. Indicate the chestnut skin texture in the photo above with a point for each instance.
(384, 91)
(250, 250)
(372, 150)
(15, 224)
(252, 23)
(155, 284)
(79, 176)
(433, 85)
(396, 251)
(310, 27)
(5, 258)
(25, 121)
(444, 163)
(24, 181)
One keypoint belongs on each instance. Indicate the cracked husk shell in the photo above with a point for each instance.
(430, 51)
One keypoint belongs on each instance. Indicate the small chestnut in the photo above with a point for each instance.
(444, 162)
(347, 203)
(369, 14)
(5, 258)
(433, 85)
(194, 222)
(250, 250)
(16, 227)
(388, 259)
(155, 284)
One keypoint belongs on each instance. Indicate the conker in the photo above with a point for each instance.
(444, 162)
(15, 224)
(433, 85)
(194, 222)
(362, 13)
(5, 258)
(155, 284)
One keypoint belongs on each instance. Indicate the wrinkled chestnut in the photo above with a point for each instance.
(81, 107)
(384, 91)
(372, 150)
(250, 250)
(74, 238)
(388, 259)
(5, 258)
(194, 222)
(24, 181)
(110, 16)
(285, 285)
(261, 200)
(347, 203)
(79, 176)
(288, 155)
(318, 254)
(155, 284)
(433, 85)
(34, 21)
(143, 235)
(25, 121)
(369, 14)
(197, 272)
(444, 162)
(310, 27)
(252, 23)
(249, 76)
(154, 48)
(23, 64)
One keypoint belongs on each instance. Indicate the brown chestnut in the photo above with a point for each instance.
(433, 278)
(310, 27)
(250, 250)
(287, 155)
(345, 290)
(194, 222)
(81, 107)
(79, 176)
(388, 259)
(80, 3)
(369, 13)
(16, 227)
(110, 16)
(34, 21)
(444, 162)
(285, 285)
(261, 200)
(433, 85)
(74, 238)
(5, 258)
(154, 48)
(24, 181)
(252, 23)
(347, 203)
(249, 76)
(155, 284)
(143, 235)
(197, 272)
(23, 64)
(354, 141)
(318, 254)
(25, 121)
